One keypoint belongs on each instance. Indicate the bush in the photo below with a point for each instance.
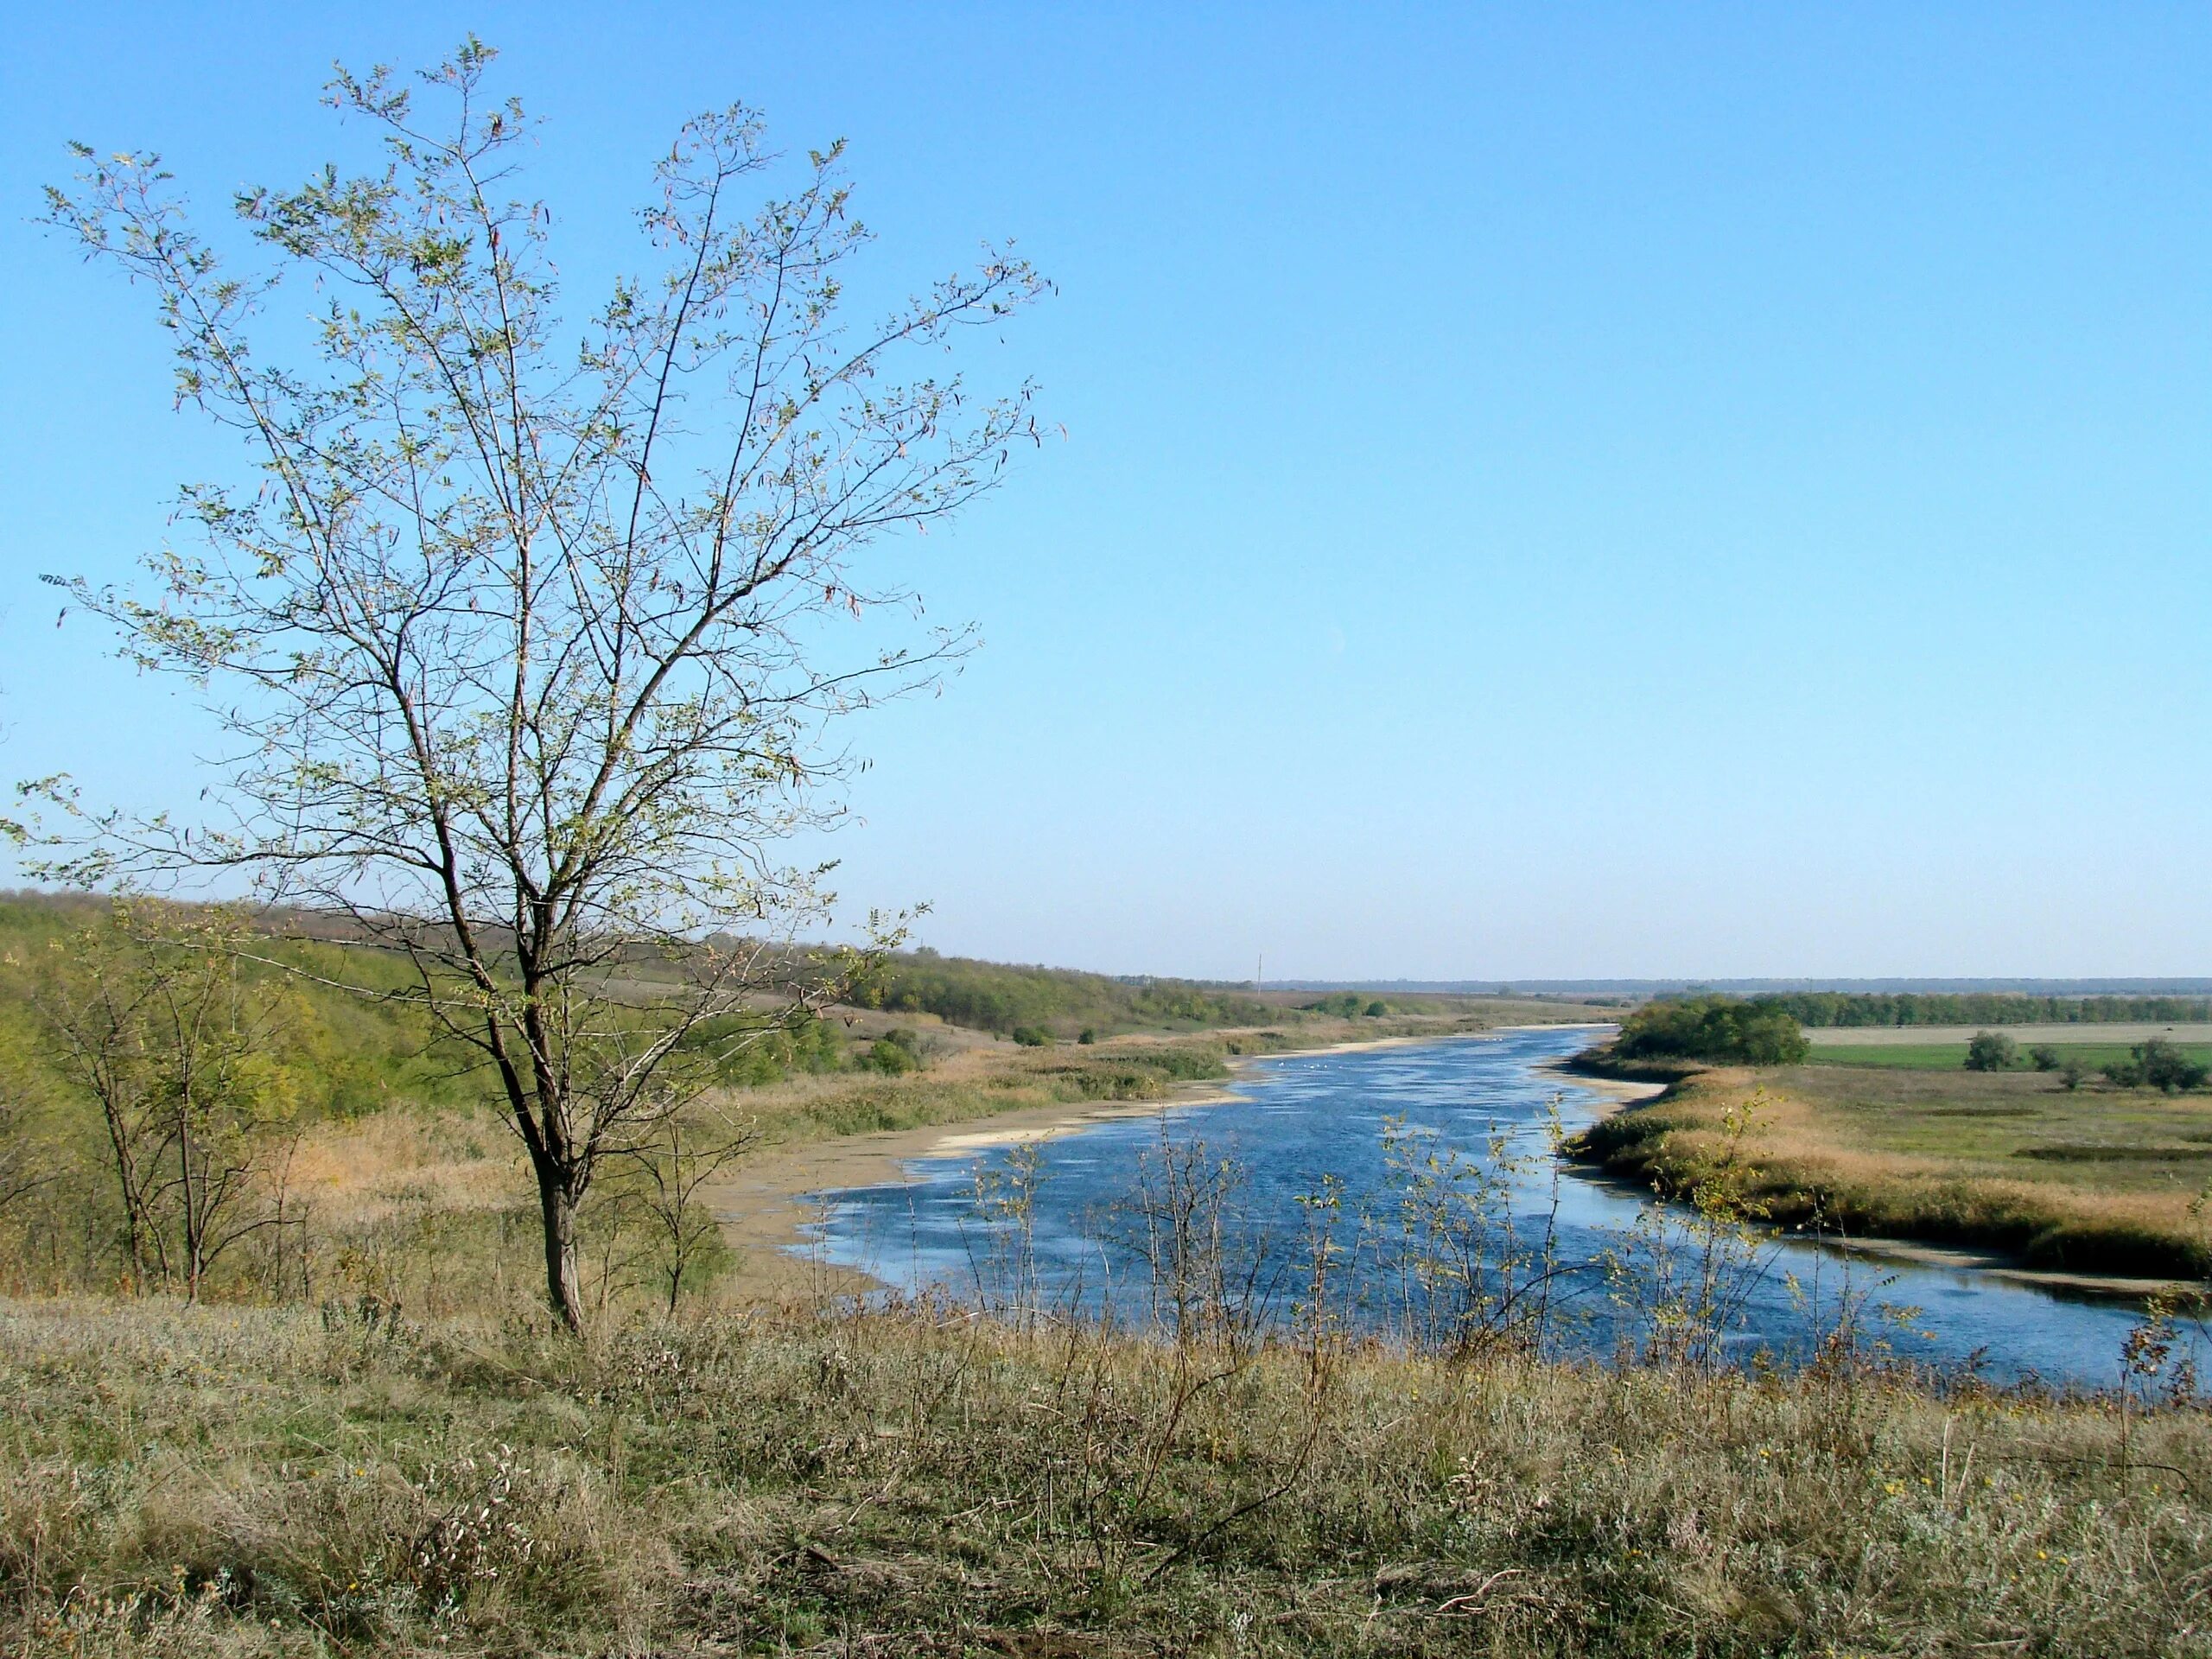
(1344, 1005)
(2043, 1058)
(1721, 1028)
(2070, 1074)
(1088, 1036)
(1032, 1036)
(891, 1056)
(1377, 1010)
(1992, 1051)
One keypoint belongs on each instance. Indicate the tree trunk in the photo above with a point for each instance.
(557, 1203)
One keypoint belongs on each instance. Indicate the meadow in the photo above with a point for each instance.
(2096, 1179)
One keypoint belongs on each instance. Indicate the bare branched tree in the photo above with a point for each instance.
(149, 1015)
(526, 651)
(670, 1177)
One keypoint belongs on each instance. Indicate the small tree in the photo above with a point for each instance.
(2043, 1058)
(1992, 1051)
(522, 646)
(151, 1015)
(2071, 1072)
(689, 1149)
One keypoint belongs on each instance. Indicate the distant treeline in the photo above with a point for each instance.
(1842, 1008)
(996, 996)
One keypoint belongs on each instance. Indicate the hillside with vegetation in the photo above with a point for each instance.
(1000, 997)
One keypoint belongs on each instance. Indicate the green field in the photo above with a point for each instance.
(1951, 1057)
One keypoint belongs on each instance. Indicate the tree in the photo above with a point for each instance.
(150, 1016)
(689, 1149)
(1990, 1051)
(526, 650)
(2161, 1064)
(2071, 1072)
(2043, 1058)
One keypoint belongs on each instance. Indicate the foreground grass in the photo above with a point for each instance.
(2093, 1180)
(241, 1481)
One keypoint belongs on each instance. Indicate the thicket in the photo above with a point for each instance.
(1723, 1029)
(1852, 1008)
(2158, 1064)
(1348, 1005)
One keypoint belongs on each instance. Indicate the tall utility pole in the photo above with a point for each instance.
(1260, 974)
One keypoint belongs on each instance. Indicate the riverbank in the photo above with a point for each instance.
(2005, 1175)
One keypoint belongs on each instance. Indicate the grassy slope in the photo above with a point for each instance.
(2095, 1181)
(256, 1481)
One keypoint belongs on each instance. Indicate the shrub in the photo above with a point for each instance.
(892, 1058)
(1377, 1010)
(1032, 1036)
(1344, 1005)
(2043, 1058)
(2070, 1074)
(1722, 1028)
(1088, 1036)
(1992, 1051)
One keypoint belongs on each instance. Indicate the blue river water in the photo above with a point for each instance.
(1604, 1262)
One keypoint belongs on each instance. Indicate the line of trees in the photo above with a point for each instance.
(1854, 1008)
(1002, 998)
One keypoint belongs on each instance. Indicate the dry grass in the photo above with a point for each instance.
(2089, 1180)
(259, 1481)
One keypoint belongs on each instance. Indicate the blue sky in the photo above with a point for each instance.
(1549, 490)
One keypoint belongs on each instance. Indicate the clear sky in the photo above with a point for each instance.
(1549, 490)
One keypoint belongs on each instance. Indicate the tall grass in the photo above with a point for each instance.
(916, 1480)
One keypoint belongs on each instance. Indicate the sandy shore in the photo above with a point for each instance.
(1616, 1091)
(765, 1209)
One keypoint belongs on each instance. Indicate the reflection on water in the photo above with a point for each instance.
(1336, 1138)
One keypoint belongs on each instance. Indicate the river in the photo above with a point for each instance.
(1610, 1268)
